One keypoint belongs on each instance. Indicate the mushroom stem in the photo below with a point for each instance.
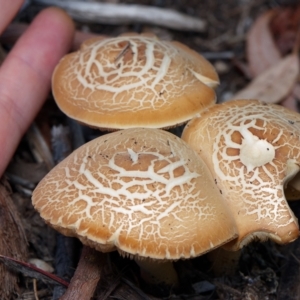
(158, 272)
(224, 262)
(87, 275)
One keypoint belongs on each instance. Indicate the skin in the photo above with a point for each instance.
(25, 75)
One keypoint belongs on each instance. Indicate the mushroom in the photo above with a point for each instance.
(133, 81)
(253, 151)
(143, 192)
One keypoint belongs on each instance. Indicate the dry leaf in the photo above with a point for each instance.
(284, 27)
(291, 101)
(296, 91)
(275, 83)
(262, 51)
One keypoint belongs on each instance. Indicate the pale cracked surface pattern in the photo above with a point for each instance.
(141, 191)
(133, 81)
(253, 150)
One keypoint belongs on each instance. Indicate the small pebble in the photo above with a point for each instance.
(41, 265)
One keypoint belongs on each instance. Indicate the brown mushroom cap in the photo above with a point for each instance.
(252, 150)
(141, 191)
(133, 81)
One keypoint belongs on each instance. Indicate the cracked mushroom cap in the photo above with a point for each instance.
(143, 192)
(133, 81)
(252, 150)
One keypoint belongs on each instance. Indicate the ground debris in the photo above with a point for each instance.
(12, 243)
(265, 270)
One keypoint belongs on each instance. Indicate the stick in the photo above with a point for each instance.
(108, 13)
(65, 246)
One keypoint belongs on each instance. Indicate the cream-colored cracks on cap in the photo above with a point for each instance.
(252, 150)
(143, 192)
(133, 81)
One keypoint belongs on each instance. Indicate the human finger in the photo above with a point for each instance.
(25, 75)
(8, 11)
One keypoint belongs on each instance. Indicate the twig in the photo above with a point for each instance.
(108, 13)
(15, 179)
(122, 53)
(64, 262)
(36, 296)
(76, 132)
(295, 258)
(31, 270)
(64, 256)
(39, 146)
(218, 55)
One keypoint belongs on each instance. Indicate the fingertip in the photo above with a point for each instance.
(59, 15)
(25, 75)
(59, 20)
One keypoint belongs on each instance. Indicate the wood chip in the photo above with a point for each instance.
(273, 84)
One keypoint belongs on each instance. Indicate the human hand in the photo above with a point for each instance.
(25, 75)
